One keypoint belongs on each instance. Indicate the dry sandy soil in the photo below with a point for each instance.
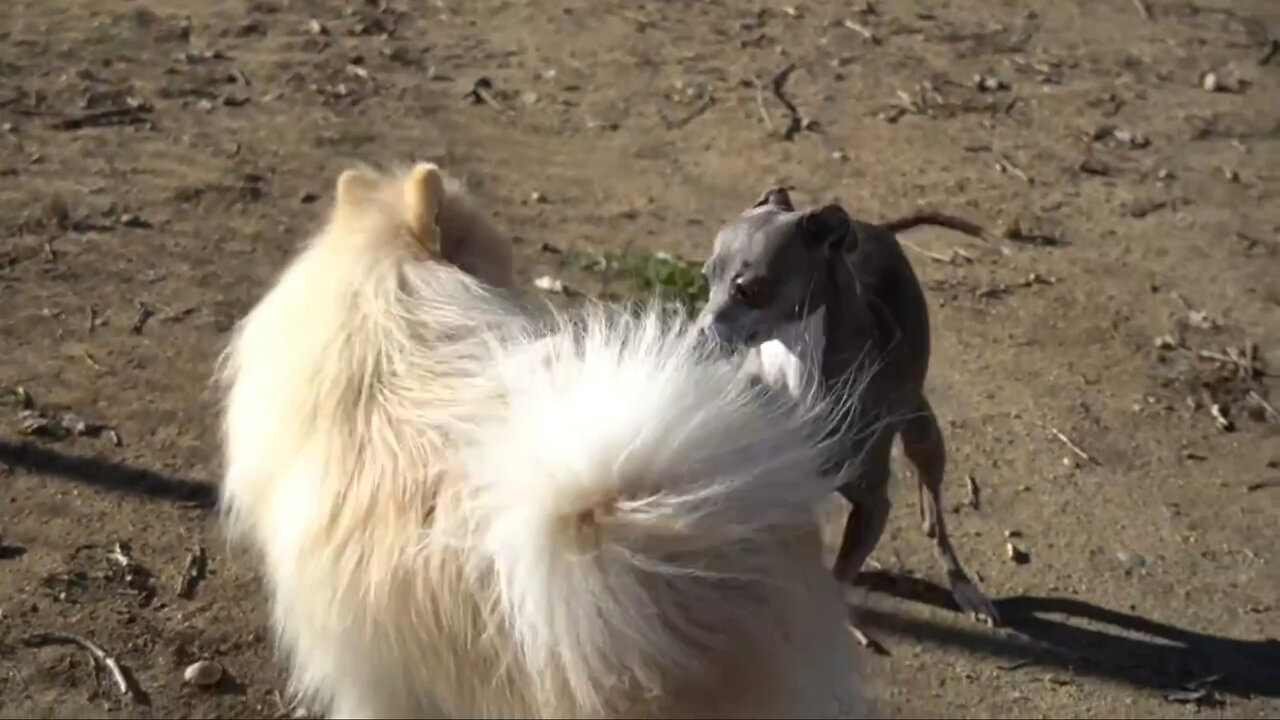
(159, 161)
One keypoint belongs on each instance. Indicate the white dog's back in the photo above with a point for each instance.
(464, 513)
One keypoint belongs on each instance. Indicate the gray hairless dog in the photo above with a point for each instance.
(815, 294)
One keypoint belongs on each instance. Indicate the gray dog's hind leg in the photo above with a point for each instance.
(868, 494)
(923, 445)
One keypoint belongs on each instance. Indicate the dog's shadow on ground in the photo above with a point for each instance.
(1187, 666)
(105, 474)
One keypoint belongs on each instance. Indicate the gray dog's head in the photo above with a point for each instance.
(770, 267)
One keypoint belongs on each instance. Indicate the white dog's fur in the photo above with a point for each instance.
(466, 512)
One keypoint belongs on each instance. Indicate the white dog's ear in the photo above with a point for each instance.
(423, 196)
(775, 197)
(354, 187)
(829, 228)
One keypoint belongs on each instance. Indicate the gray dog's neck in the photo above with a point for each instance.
(848, 327)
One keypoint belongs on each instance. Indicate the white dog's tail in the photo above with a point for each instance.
(641, 507)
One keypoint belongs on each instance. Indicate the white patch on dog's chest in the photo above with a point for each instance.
(793, 358)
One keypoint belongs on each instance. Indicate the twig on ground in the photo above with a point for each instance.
(796, 122)
(764, 111)
(931, 255)
(482, 92)
(1220, 417)
(692, 115)
(1267, 407)
(1143, 10)
(127, 115)
(1006, 164)
(862, 30)
(195, 571)
(145, 313)
(101, 658)
(1071, 445)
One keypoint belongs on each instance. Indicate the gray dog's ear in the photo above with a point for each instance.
(777, 197)
(830, 228)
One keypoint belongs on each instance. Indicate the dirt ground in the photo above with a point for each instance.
(159, 161)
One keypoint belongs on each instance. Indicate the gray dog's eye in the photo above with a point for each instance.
(751, 293)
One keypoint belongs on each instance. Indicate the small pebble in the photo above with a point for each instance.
(1213, 82)
(1017, 554)
(987, 83)
(1133, 139)
(546, 283)
(537, 198)
(1012, 230)
(1132, 559)
(203, 673)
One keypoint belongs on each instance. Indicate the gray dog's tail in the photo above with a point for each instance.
(937, 219)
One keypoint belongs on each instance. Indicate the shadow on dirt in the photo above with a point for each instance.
(106, 474)
(1186, 666)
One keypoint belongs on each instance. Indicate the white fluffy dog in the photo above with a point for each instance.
(464, 511)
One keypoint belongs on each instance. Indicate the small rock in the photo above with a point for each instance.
(546, 283)
(308, 197)
(1132, 139)
(33, 423)
(1132, 559)
(1012, 229)
(839, 155)
(203, 673)
(986, 83)
(1166, 342)
(1202, 320)
(1213, 82)
(250, 28)
(1231, 175)
(538, 198)
(1017, 554)
(315, 27)
(1092, 166)
(1141, 208)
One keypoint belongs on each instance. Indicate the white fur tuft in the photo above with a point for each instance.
(639, 502)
